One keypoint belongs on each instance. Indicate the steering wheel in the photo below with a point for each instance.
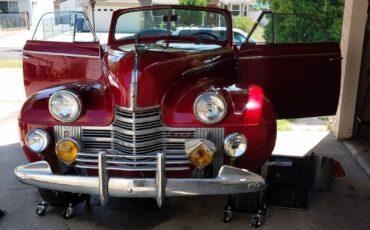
(201, 34)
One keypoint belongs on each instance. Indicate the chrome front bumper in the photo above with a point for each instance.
(230, 180)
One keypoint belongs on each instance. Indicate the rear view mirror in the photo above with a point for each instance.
(173, 18)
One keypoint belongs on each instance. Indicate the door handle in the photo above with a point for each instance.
(335, 58)
(25, 56)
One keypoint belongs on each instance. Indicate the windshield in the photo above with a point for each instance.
(195, 23)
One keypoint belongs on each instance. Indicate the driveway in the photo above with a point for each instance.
(345, 206)
(12, 42)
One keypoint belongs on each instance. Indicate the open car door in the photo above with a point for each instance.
(63, 49)
(292, 59)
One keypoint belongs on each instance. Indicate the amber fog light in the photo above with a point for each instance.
(200, 152)
(67, 150)
(235, 145)
(37, 140)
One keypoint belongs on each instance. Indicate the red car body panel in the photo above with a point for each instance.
(44, 68)
(308, 71)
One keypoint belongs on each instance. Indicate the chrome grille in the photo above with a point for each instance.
(132, 142)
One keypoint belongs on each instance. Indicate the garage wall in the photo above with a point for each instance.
(353, 31)
(102, 20)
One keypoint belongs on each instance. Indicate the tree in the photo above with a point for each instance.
(329, 11)
(189, 17)
(243, 23)
(148, 16)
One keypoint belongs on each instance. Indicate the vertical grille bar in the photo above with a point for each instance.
(134, 137)
(217, 136)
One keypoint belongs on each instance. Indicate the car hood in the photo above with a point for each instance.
(157, 68)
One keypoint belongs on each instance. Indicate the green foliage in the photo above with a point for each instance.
(243, 23)
(11, 63)
(329, 11)
(189, 17)
(193, 2)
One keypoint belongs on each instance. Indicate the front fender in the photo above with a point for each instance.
(246, 105)
(250, 112)
(96, 102)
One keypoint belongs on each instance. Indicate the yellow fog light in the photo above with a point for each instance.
(67, 149)
(200, 152)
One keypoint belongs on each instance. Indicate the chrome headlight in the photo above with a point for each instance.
(235, 145)
(210, 108)
(37, 140)
(65, 106)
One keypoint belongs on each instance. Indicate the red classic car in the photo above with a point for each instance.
(158, 113)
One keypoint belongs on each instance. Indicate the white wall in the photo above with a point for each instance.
(102, 20)
(69, 5)
(38, 8)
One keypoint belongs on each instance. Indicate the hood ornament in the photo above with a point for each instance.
(138, 49)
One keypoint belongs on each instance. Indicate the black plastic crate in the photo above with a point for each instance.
(288, 185)
(287, 196)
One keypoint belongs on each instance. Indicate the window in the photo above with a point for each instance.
(63, 27)
(4, 7)
(263, 32)
(245, 10)
(235, 10)
(13, 7)
(7, 7)
(194, 23)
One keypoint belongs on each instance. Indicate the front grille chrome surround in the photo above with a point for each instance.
(133, 140)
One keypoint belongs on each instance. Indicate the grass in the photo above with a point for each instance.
(284, 124)
(10, 63)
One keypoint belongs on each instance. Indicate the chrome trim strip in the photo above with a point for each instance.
(160, 179)
(103, 179)
(135, 144)
(172, 162)
(131, 169)
(140, 120)
(138, 132)
(138, 109)
(131, 156)
(287, 56)
(59, 54)
(205, 67)
(230, 180)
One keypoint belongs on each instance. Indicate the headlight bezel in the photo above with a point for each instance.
(211, 93)
(45, 136)
(231, 138)
(70, 93)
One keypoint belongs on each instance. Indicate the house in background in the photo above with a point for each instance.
(249, 8)
(23, 13)
(236, 7)
(103, 9)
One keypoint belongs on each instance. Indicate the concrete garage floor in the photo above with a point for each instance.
(346, 206)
